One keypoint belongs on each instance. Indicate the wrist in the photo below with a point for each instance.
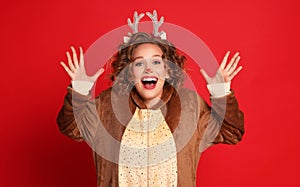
(219, 89)
(82, 87)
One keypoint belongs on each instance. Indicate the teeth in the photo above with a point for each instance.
(149, 79)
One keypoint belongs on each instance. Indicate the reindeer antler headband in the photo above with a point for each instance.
(156, 24)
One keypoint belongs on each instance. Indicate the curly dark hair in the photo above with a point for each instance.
(174, 61)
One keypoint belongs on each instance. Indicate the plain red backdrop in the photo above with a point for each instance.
(35, 35)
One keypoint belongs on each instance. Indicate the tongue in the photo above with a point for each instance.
(149, 86)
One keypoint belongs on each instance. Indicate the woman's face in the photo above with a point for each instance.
(149, 72)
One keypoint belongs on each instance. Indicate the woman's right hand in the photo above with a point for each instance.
(76, 69)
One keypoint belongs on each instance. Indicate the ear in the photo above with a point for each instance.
(167, 70)
(167, 75)
(129, 74)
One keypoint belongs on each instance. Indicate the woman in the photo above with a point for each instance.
(147, 130)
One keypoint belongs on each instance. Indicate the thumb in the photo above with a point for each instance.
(98, 73)
(204, 74)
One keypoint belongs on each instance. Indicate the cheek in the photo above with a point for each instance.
(136, 73)
(162, 72)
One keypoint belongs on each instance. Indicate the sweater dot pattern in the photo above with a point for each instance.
(148, 151)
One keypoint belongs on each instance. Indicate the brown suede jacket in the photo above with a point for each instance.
(194, 124)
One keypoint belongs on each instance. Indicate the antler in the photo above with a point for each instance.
(133, 25)
(157, 24)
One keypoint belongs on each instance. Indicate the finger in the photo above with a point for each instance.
(67, 69)
(204, 74)
(97, 74)
(233, 67)
(233, 59)
(75, 59)
(81, 60)
(235, 72)
(72, 68)
(224, 60)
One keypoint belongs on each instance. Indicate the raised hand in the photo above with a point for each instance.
(76, 69)
(225, 73)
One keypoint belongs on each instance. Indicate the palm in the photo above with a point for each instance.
(76, 69)
(225, 73)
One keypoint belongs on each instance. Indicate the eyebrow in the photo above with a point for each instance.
(138, 57)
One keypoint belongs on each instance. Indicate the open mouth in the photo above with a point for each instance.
(149, 82)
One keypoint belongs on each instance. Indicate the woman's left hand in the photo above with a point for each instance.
(225, 72)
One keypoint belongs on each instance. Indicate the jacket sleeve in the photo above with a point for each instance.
(78, 116)
(222, 122)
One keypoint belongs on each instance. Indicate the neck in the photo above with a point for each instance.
(152, 102)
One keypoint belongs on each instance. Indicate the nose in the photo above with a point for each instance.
(148, 68)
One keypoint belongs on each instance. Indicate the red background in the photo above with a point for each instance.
(36, 34)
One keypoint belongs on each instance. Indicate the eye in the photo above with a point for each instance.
(138, 64)
(156, 62)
